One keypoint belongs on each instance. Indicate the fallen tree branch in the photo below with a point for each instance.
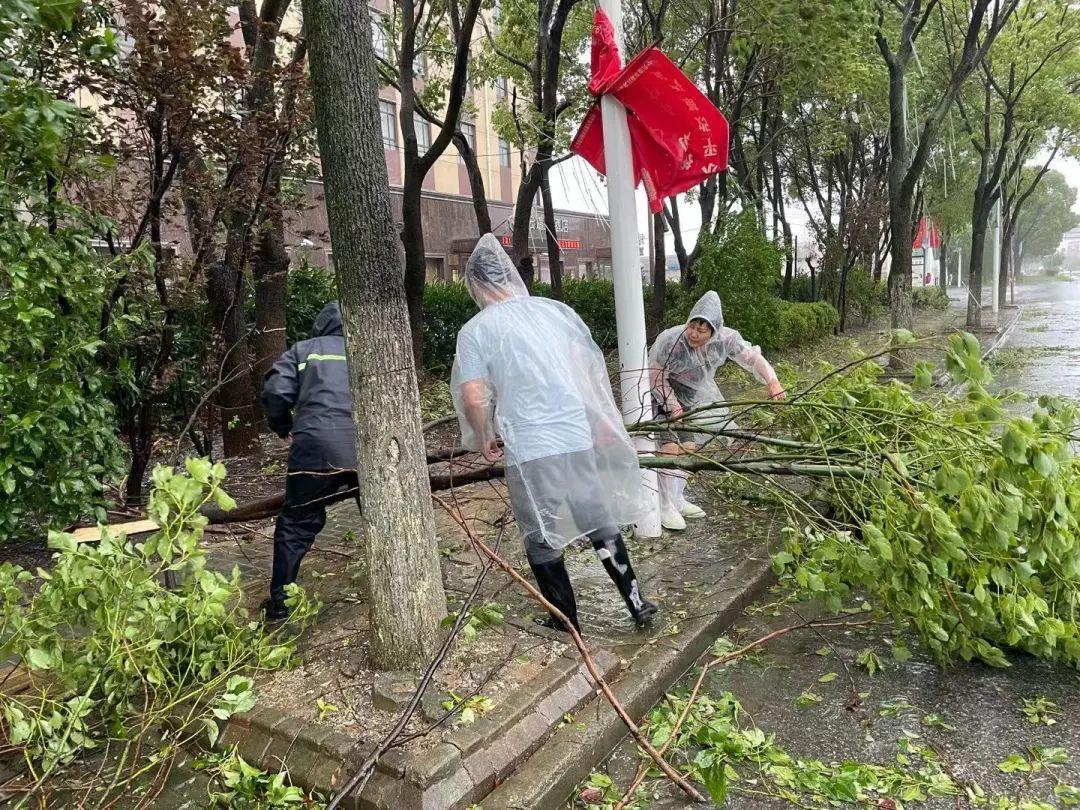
(639, 774)
(635, 732)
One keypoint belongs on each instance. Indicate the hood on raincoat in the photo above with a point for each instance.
(709, 309)
(328, 322)
(490, 274)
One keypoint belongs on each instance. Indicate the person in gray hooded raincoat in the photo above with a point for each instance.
(529, 384)
(308, 404)
(682, 369)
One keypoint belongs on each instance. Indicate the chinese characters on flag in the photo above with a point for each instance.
(678, 137)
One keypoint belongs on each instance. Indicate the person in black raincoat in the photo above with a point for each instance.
(308, 404)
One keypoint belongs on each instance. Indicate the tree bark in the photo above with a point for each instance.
(407, 598)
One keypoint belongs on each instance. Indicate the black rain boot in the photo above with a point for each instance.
(616, 559)
(554, 583)
(274, 611)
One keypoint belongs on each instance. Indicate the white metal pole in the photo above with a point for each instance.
(626, 274)
(997, 259)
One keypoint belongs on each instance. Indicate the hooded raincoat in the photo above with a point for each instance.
(306, 395)
(685, 377)
(527, 371)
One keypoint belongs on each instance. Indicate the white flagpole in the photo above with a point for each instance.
(626, 275)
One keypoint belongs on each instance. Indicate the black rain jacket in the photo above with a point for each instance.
(306, 394)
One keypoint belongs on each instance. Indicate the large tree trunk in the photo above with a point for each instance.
(407, 599)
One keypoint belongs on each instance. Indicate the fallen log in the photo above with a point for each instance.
(268, 507)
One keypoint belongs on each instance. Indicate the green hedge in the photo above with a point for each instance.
(803, 323)
(741, 266)
(930, 298)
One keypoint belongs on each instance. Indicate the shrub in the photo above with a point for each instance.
(447, 308)
(803, 323)
(309, 290)
(745, 269)
(125, 657)
(57, 426)
(933, 298)
(866, 299)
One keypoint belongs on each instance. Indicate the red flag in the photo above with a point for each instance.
(934, 236)
(677, 135)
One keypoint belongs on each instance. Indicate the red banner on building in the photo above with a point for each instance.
(678, 137)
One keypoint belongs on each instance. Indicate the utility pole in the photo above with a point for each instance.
(626, 275)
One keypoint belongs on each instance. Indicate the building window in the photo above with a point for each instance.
(504, 153)
(378, 35)
(469, 131)
(420, 64)
(423, 133)
(388, 120)
(502, 89)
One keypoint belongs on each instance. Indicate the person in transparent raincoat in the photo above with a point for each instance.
(682, 370)
(529, 384)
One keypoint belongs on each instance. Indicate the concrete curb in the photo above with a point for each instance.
(573, 751)
(455, 773)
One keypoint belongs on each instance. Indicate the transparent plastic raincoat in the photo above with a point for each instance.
(528, 372)
(685, 377)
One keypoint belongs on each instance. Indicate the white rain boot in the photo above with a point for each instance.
(670, 518)
(678, 490)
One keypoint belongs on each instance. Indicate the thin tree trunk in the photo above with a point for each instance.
(270, 270)
(975, 275)
(554, 251)
(412, 239)
(407, 598)
(943, 265)
(671, 212)
(659, 278)
(227, 295)
(476, 183)
(523, 210)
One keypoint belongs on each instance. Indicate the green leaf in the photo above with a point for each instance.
(829, 678)
(1014, 445)
(716, 782)
(38, 659)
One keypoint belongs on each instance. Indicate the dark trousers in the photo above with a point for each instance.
(301, 518)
